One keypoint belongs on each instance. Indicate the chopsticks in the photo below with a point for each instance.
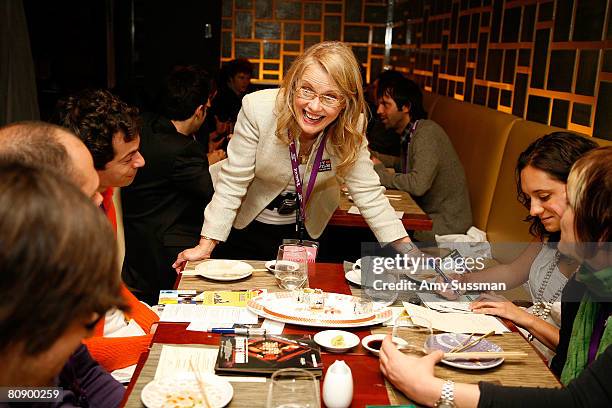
(201, 385)
(462, 347)
(484, 355)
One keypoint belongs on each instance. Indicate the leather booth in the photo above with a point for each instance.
(488, 143)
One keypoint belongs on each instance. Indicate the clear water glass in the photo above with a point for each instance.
(410, 334)
(291, 267)
(293, 388)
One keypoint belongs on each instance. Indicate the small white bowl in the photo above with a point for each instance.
(378, 337)
(325, 337)
(270, 265)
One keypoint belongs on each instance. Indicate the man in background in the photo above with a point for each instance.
(234, 83)
(429, 168)
(163, 208)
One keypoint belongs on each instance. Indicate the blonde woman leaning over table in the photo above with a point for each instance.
(541, 174)
(586, 232)
(316, 120)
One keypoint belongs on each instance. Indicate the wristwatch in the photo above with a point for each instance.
(447, 398)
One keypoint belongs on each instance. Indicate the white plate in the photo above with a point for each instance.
(224, 270)
(163, 392)
(380, 336)
(282, 307)
(447, 341)
(353, 276)
(325, 337)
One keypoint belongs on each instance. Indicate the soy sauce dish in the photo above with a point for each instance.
(373, 342)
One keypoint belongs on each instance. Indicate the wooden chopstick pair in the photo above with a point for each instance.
(201, 384)
(471, 355)
(484, 355)
(467, 344)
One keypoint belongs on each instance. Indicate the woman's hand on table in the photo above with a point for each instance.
(491, 304)
(411, 375)
(197, 253)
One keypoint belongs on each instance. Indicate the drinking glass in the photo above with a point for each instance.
(291, 267)
(411, 333)
(293, 388)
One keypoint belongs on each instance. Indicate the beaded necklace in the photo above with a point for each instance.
(542, 308)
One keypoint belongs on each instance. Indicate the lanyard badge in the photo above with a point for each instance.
(302, 199)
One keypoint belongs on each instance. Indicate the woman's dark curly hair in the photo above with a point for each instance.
(96, 115)
(554, 154)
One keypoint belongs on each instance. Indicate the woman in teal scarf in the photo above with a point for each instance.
(586, 234)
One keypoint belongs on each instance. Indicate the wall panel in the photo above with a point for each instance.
(544, 60)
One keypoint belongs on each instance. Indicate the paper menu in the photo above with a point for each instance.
(437, 302)
(214, 316)
(238, 298)
(175, 360)
(457, 322)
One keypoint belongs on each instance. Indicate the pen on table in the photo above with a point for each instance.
(239, 330)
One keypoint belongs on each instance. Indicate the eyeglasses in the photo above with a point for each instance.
(330, 101)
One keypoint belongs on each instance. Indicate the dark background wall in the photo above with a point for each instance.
(124, 45)
(544, 60)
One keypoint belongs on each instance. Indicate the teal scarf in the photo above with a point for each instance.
(599, 282)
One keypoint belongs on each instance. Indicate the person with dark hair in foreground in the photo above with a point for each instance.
(586, 233)
(51, 233)
(162, 208)
(429, 170)
(56, 149)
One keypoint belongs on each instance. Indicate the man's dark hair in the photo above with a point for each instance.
(35, 144)
(58, 258)
(554, 154)
(237, 66)
(404, 92)
(185, 89)
(95, 116)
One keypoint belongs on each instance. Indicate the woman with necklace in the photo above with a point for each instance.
(586, 235)
(290, 150)
(541, 175)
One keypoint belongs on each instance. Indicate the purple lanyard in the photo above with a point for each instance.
(409, 137)
(298, 182)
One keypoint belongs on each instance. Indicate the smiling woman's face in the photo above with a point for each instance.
(546, 197)
(312, 115)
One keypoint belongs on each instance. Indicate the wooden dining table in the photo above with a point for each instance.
(370, 386)
(413, 218)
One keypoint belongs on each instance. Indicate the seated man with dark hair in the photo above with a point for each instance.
(234, 83)
(162, 209)
(111, 131)
(65, 283)
(429, 168)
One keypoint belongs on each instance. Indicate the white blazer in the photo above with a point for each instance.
(258, 169)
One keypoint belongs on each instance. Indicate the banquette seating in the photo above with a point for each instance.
(488, 143)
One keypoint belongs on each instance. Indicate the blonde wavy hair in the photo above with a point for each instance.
(346, 132)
